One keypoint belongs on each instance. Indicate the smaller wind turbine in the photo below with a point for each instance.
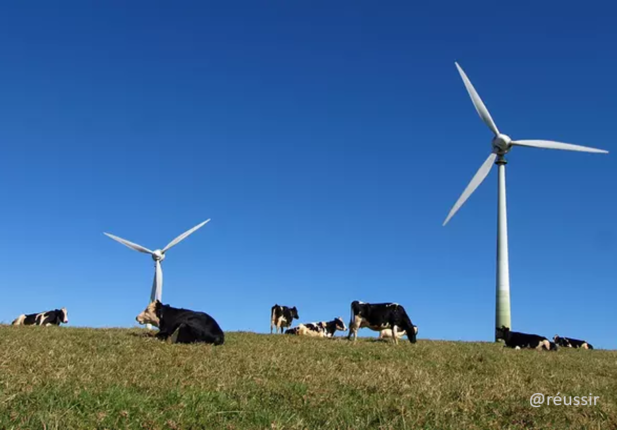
(158, 256)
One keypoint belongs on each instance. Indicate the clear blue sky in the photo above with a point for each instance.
(327, 143)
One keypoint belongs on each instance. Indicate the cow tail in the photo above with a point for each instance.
(354, 309)
(272, 314)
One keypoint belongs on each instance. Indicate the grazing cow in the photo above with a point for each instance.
(282, 317)
(568, 342)
(516, 340)
(179, 325)
(386, 333)
(48, 318)
(380, 316)
(320, 329)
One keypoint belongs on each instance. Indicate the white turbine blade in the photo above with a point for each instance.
(549, 144)
(477, 102)
(157, 284)
(131, 245)
(475, 181)
(183, 236)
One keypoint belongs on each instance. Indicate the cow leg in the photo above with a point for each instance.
(162, 335)
(543, 344)
(185, 333)
(395, 334)
(174, 336)
(354, 325)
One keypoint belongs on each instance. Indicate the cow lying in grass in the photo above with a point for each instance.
(181, 325)
(320, 329)
(48, 318)
(516, 340)
(568, 342)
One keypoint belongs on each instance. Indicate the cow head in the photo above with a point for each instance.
(151, 315)
(502, 332)
(340, 324)
(412, 336)
(294, 313)
(64, 315)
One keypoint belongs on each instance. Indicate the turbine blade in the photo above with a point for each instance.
(183, 236)
(549, 144)
(131, 245)
(477, 102)
(157, 284)
(475, 181)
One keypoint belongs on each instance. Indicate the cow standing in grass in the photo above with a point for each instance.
(380, 316)
(320, 329)
(517, 340)
(179, 325)
(282, 317)
(55, 317)
(568, 342)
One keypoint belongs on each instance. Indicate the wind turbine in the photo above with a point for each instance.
(158, 256)
(501, 145)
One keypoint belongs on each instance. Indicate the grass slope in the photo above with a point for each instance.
(75, 378)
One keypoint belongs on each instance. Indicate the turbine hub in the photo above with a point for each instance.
(158, 255)
(501, 144)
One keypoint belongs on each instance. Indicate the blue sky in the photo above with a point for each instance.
(327, 143)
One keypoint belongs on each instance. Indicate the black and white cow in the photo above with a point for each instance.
(179, 325)
(380, 316)
(568, 342)
(517, 340)
(320, 329)
(282, 317)
(55, 317)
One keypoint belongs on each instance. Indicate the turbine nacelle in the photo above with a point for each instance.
(158, 255)
(502, 144)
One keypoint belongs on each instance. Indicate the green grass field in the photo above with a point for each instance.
(74, 378)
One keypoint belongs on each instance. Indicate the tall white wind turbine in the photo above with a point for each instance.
(158, 256)
(501, 145)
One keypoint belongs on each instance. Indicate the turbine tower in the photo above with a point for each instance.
(158, 256)
(501, 145)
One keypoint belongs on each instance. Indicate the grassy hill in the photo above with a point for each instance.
(72, 378)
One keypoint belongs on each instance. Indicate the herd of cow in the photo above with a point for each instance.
(178, 325)
(389, 319)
